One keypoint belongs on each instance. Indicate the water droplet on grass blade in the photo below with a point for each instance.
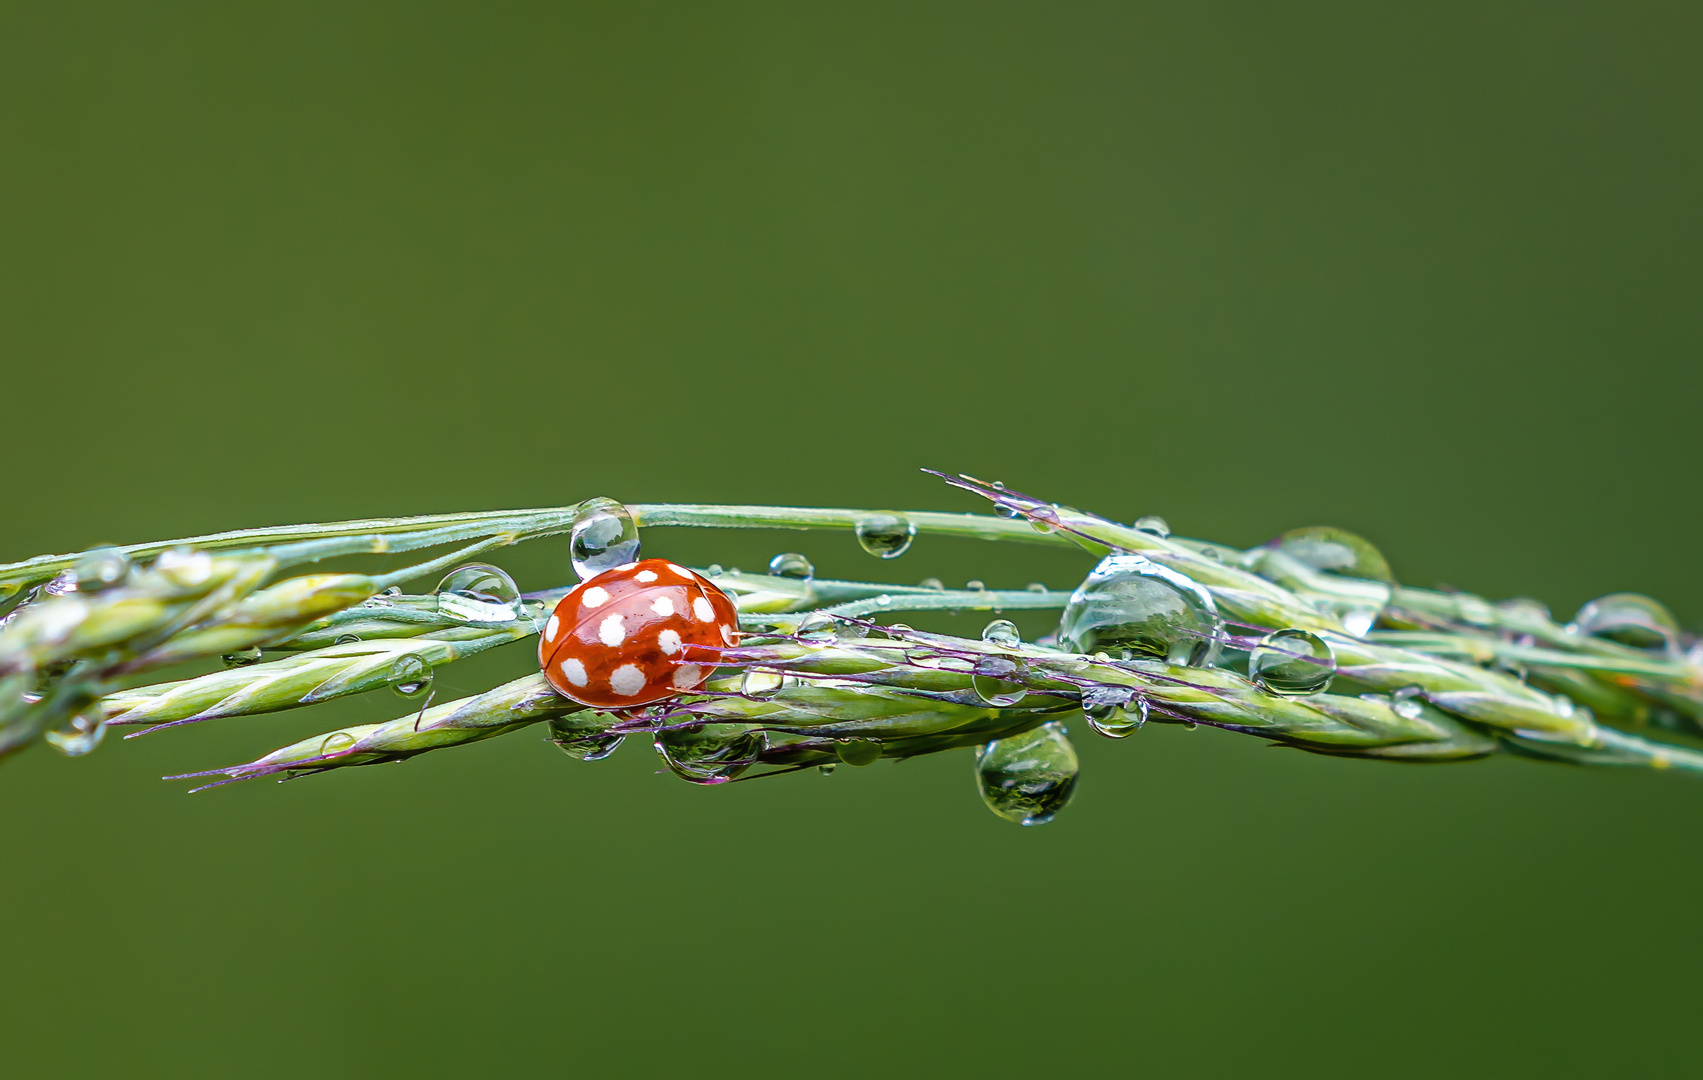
(790, 564)
(1153, 524)
(409, 676)
(478, 592)
(1002, 632)
(993, 682)
(603, 537)
(1334, 551)
(1028, 778)
(347, 639)
(816, 628)
(1035, 586)
(760, 684)
(582, 745)
(974, 585)
(80, 735)
(885, 536)
(711, 754)
(242, 657)
(336, 742)
(1631, 619)
(1114, 711)
(1132, 607)
(1292, 662)
(932, 583)
(100, 569)
(858, 752)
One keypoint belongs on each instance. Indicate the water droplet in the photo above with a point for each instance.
(992, 681)
(898, 629)
(79, 736)
(1132, 607)
(1153, 523)
(242, 657)
(603, 537)
(1035, 586)
(1028, 778)
(885, 536)
(1358, 620)
(184, 567)
(884, 600)
(336, 742)
(790, 564)
(714, 570)
(826, 770)
(1523, 610)
(1407, 708)
(932, 583)
(1212, 553)
(582, 745)
(851, 631)
(711, 754)
(760, 684)
(1002, 632)
(347, 639)
(100, 569)
(62, 584)
(816, 628)
(1334, 551)
(478, 592)
(409, 676)
(1114, 711)
(1043, 519)
(858, 752)
(1292, 662)
(1630, 619)
(974, 585)
(1005, 511)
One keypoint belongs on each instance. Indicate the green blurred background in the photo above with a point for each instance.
(1428, 272)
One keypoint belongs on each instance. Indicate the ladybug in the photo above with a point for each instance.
(629, 635)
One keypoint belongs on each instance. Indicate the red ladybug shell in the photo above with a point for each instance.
(628, 636)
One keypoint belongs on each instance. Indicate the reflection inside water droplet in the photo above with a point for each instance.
(409, 676)
(790, 564)
(711, 754)
(602, 537)
(1292, 662)
(1131, 607)
(995, 681)
(885, 536)
(1028, 778)
(1002, 632)
(478, 592)
(1154, 524)
(1116, 712)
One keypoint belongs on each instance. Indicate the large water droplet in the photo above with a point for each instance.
(582, 745)
(858, 752)
(994, 681)
(1002, 632)
(1027, 778)
(1132, 607)
(1114, 711)
(1153, 523)
(790, 564)
(603, 537)
(100, 569)
(1292, 662)
(711, 754)
(478, 592)
(1630, 619)
(816, 628)
(409, 676)
(242, 657)
(886, 536)
(1334, 551)
(80, 735)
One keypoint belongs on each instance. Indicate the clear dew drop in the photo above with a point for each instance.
(932, 583)
(581, 744)
(760, 684)
(602, 537)
(1035, 586)
(336, 742)
(1334, 551)
(478, 592)
(1131, 607)
(711, 754)
(347, 639)
(826, 770)
(994, 680)
(1028, 778)
(886, 536)
(242, 657)
(80, 735)
(100, 569)
(1002, 632)
(1292, 662)
(1116, 712)
(1407, 708)
(974, 585)
(816, 628)
(1630, 619)
(1153, 524)
(409, 676)
(790, 564)
(858, 752)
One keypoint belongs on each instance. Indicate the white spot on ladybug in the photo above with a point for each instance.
(727, 634)
(645, 576)
(686, 676)
(611, 631)
(663, 606)
(669, 642)
(627, 680)
(683, 572)
(701, 608)
(573, 671)
(551, 627)
(596, 596)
